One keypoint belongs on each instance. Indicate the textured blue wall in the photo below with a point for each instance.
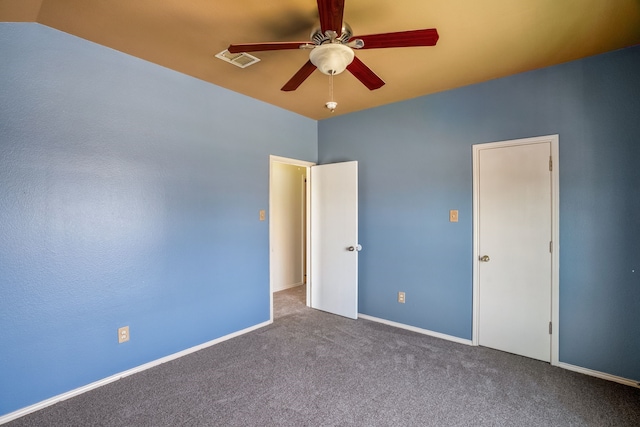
(129, 195)
(415, 165)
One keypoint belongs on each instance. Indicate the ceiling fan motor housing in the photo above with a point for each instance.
(318, 37)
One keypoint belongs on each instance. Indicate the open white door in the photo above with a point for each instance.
(334, 238)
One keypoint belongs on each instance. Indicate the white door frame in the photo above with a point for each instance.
(301, 163)
(555, 235)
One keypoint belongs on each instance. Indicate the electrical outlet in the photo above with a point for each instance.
(123, 334)
(401, 297)
(263, 215)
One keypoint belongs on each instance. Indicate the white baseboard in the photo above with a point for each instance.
(64, 396)
(285, 287)
(599, 374)
(416, 329)
(562, 365)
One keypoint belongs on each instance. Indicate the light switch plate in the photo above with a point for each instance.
(263, 215)
(453, 215)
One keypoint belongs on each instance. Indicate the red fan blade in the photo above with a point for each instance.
(299, 77)
(365, 75)
(255, 47)
(331, 12)
(427, 37)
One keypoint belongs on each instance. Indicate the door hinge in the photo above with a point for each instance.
(550, 164)
(550, 329)
(551, 246)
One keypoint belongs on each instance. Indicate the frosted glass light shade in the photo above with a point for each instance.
(331, 58)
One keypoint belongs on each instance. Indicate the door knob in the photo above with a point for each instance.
(485, 258)
(356, 248)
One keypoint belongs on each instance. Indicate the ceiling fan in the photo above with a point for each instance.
(332, 47)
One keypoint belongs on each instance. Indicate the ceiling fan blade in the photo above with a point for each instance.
(255, 47)
(365, 75)
(297, 79)
(331, 12)
(426, 37)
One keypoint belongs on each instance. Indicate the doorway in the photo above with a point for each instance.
(515, 278)
(288, 224)
(326, 246)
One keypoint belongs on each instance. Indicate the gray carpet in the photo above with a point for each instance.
(311, 368)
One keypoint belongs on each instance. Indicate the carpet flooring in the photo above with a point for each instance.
(311, 368)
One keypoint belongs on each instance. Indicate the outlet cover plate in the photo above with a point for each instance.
(123, 334)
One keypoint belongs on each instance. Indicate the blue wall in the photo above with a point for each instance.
(129, 195)
(416, 164)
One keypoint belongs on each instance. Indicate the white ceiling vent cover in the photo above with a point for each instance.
(242, 59)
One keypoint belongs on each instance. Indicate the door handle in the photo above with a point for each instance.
(356, 248)
(485, 258)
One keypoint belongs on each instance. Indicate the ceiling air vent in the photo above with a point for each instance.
(242, 59)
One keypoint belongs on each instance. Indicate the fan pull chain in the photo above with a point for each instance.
(331, 105)
(331, 87)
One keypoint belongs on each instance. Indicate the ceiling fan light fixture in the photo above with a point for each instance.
(331, 58)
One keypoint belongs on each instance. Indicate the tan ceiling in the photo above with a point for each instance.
(479, 40)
